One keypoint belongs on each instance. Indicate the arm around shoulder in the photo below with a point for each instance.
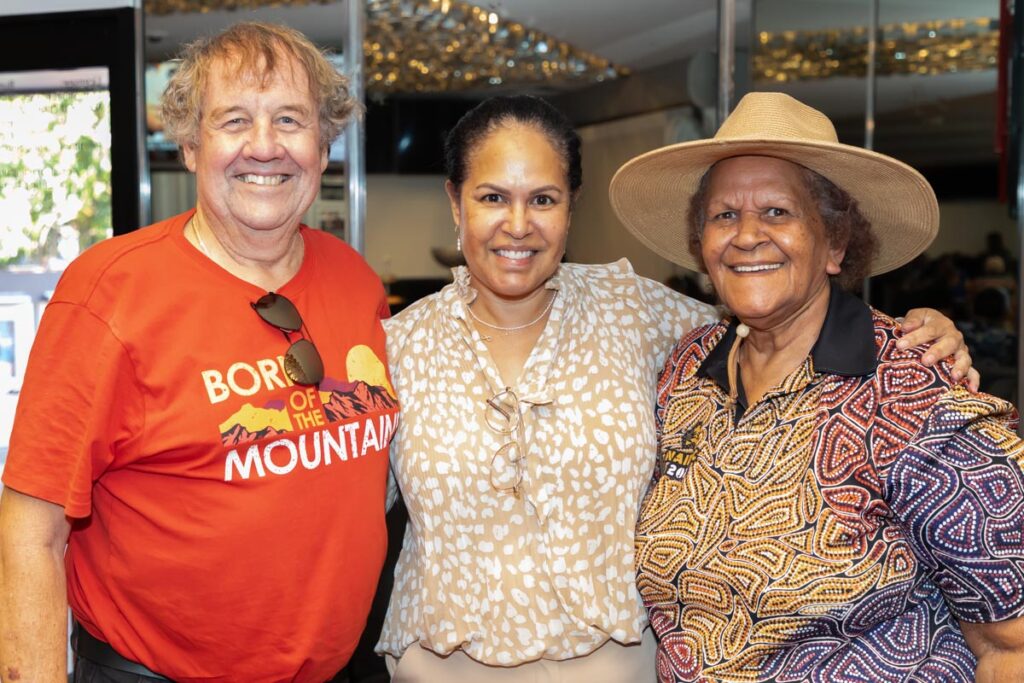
(33, 589)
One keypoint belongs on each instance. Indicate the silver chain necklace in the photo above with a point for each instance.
(515, 328)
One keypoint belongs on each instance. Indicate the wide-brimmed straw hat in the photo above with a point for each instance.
(651, 193)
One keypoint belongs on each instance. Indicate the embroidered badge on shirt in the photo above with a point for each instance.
(675, 458)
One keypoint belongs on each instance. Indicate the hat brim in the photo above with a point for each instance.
(651, 193)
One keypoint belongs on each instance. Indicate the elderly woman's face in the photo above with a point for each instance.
(259, 160)
(513, 210)
(764, 245)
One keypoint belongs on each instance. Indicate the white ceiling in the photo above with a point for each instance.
(636, 34)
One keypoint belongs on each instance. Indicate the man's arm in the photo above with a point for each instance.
(999, 647)
(33, 590)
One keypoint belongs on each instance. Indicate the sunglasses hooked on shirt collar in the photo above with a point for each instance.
(302, 361)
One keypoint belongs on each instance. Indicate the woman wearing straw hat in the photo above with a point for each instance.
(825, 507)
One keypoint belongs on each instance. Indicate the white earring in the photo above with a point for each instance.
(458, 239)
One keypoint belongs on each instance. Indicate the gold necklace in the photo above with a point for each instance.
(199, 240)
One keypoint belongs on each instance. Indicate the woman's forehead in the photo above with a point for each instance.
(515, 143)
(757, 173)
(512, 132)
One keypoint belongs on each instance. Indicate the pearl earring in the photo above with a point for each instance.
(458, 239)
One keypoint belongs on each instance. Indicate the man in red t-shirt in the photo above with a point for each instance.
(207, 410)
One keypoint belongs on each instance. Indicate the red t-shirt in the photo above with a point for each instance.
(228, 525)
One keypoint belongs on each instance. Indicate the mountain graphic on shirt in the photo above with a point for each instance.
(250, 423)
(345, 400)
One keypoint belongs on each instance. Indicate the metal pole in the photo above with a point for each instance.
(145, 184)
(872, 59)
(1020, 272)
(869, 107)
(726, 57)
(355, 134)
(1016, 91)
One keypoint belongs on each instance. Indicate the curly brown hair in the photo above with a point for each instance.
(844, 224)
(255, 50)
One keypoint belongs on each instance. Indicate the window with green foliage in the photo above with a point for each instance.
(54, 176)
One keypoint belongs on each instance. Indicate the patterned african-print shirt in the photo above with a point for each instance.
(837, 529)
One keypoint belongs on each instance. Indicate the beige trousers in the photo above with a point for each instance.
(610, 663)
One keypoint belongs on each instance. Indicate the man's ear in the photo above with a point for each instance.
(188, 155)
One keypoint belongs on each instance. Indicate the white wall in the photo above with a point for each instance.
(10, 7)
(596, 235)
(964, 224)
(406, 215)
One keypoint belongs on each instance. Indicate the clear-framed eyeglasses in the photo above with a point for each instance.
(504, 416)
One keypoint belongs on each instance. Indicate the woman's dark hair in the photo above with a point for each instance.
(843, 221)
(483, 119)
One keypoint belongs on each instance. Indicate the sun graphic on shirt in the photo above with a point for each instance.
(363, 365)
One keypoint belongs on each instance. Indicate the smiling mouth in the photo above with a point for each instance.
(254, 179)
(758, 268)
(515, 254)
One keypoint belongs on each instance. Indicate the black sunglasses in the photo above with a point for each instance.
(302, 362)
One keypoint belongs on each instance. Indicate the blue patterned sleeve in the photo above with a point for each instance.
(957, 489)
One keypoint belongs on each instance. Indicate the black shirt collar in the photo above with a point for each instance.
(845, 346)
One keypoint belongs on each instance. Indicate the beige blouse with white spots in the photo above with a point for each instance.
(549, 575)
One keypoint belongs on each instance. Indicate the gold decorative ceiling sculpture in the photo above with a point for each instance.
(443, 45)
(455, 46)
(923, 47)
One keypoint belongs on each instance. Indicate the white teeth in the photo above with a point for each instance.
(508, 253)
(754, 269)
(262, 179)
